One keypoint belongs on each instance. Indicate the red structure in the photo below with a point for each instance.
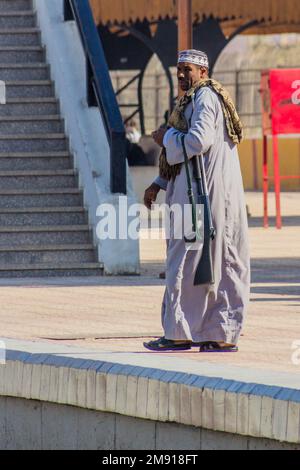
(280, 92)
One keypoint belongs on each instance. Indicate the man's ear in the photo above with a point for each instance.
(204, 72)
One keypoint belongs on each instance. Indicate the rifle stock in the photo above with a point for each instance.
(204, 272)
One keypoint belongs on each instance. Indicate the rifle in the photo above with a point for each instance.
(204, 272)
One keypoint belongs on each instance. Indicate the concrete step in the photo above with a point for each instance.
(31, 255)
(35, 161)
(44, 227)
(15, 5)
(20, 36)
(33, 142)
(17, 54)
(51, 270)
(37, 71)
(38, 179)
(31, 124)
(43, 216)
(17, 19)
(56, 197)
(29, 89)
(44, 235)
(29, 106)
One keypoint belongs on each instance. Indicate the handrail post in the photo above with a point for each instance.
(68, 13)
(90, 93)
(118, 163)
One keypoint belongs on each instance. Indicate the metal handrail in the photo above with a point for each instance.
(100, 91)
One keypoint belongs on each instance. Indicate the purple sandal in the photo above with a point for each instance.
(163, 344)
(212, 346)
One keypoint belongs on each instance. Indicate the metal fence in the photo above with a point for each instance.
(243, 86)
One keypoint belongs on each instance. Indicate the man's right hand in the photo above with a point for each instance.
(151, 195)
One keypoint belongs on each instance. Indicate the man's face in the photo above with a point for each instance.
(188, 74)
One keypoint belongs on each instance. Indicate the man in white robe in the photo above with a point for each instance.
(209, 315)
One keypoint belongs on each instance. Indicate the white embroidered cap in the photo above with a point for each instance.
(194, 57)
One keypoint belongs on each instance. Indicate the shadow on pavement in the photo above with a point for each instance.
(263, 270)
(275, 270)
(287, 221)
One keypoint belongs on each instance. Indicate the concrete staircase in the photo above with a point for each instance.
(44, 227)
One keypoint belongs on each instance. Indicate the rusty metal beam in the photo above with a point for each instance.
(185, 26)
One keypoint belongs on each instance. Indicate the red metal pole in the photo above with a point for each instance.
(277, 181)
(265, 179)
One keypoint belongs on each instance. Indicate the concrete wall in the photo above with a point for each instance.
(36, 425)
(241, 404)
(251, 166)
(85, 128)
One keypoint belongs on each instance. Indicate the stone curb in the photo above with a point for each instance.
(213, 403)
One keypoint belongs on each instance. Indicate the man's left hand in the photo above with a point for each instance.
(158, 136)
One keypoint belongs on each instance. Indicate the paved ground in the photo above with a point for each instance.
(119, 313)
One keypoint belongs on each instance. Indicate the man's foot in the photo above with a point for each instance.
(162, 275)
(163, 344)
(214, 346)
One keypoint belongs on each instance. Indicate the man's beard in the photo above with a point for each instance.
(185, 85)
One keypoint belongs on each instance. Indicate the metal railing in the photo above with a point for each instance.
(100, 91)
(243, 85)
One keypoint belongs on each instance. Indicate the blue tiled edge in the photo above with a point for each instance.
(192, 380)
